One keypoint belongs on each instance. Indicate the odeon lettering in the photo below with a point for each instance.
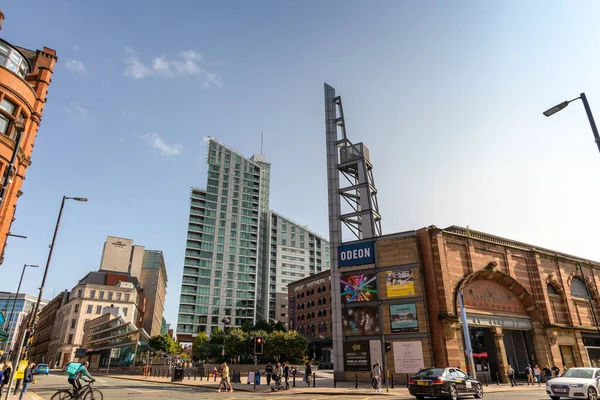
(355, 254)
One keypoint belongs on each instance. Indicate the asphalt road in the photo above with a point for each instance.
(120, 389)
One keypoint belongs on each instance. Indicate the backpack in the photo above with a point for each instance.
(73, 368)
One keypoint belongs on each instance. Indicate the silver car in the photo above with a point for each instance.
(575, 383)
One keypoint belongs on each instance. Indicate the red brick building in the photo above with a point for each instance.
(25, 76)
(524, 304)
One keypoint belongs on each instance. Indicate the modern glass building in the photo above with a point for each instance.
(226, 272)
(23, 306)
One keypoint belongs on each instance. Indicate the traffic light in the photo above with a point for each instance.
(258, 345)
(388, 347)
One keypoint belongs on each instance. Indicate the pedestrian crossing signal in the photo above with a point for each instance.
(258, 345)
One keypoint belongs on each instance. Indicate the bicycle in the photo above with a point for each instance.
(87, 392)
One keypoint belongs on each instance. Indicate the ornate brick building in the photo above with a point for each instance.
(524, 304)
(25, 76)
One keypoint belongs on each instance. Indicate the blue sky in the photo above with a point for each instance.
(447, 95)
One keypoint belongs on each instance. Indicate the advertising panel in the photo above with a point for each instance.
(358, 288)
(403, 318)
(356, 254)
(400, 283)
(360, 321)
(357, 356)
(408, 357)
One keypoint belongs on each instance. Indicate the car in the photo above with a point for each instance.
(42, 369)
(450, 383)
(575, 383)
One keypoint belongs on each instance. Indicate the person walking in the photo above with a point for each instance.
(555, 371)
(286, 374)
(6, 375)
(538, 374)
(547, 373)
(269, 373)
(511, 376)
(307, 373)
(529, 373)
(225, 378)
(377, 373)
(1, 372)
(27, 379)
(214, 373)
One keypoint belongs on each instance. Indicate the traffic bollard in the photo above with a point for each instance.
(334, 381)
(392, 377)
(485, 379)
(314, 379)
(407, 380)
(195, 373)
(356, 381)
(294, 380)
(498, 378)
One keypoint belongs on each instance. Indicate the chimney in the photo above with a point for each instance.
(1, 19)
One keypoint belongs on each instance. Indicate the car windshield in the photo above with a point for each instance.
(579, 373)
(430, 372)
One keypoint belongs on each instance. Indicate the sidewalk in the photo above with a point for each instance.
(324, 385)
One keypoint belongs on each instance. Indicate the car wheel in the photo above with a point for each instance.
(555, 397)
(592, 394)
(454, 393)
(478, 391)
(419, 397)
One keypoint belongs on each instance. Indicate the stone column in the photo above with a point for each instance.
(501, 351)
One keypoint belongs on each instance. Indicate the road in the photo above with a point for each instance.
(121, 389)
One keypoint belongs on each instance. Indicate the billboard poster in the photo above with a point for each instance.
(403, 318)
(400, 283)
(356, 254)
(358, 288)
(361, 321)
(357, 356)
(408, 357)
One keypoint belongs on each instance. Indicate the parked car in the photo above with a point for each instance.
(578, 383)
(42, 369)
(450, 383)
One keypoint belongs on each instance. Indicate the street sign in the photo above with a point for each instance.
(114, 353)
(3, 336)
(80, 353)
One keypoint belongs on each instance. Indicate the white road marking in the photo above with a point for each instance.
(142, 391)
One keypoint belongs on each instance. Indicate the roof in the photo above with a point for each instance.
(99, 278)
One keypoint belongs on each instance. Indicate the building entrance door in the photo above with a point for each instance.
(519, 349)
(484, 351)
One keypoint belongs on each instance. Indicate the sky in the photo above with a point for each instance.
(448, 96)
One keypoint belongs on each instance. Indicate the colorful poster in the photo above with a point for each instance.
(400, 283)
(408, 357)
(360, 321)
(358, 288)
(403, 318)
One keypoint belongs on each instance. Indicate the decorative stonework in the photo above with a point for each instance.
(590, 283)
(553, 281)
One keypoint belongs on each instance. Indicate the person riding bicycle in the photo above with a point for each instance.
(75, 377)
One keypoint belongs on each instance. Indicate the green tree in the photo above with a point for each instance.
(200, 345)
(236, 342)
(277, 326)
(284, 345)
(263, 325)
(165, 343)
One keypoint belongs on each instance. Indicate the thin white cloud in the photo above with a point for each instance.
(153, 139)
(76, 111)
(76, 66)
(187, 63)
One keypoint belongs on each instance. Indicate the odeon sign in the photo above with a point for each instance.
(356, 254)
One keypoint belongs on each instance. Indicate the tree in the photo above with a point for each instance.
(278, 326)
(200, 345)
(165, 343)
(285, 345)
(236, 342)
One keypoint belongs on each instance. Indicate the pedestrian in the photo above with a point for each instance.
(214, 373)
(555, 371)
(537, 374)
(377, 376)
(529, 373)
(269, 373)
(1, 372)
(27, 379)
(277, 374)
(547, 373)
(373, 381)
(286, 374)
(6, 375)
(225, 378)
(511, 376)
(307, 373)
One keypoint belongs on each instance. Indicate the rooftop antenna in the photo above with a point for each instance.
(261, 141)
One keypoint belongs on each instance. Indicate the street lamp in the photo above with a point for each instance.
(588, 111)
(12, 311)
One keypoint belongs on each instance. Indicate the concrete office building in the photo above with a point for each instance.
(122, 256)
(295, 253)
(24, 304)
(41, 345)
(25, 76)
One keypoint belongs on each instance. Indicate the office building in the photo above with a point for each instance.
(122, 256)
(154, 284)
(232, 241)
(25, 76)
(23, 305)
(41, 345)
(295, 253)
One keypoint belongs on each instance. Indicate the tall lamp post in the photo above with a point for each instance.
(588, 111)
(12, 310)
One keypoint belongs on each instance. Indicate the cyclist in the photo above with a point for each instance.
(75, 377)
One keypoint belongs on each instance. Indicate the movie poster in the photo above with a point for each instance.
(358, 288)
(400, 283)
(403, 318)
(359, 321)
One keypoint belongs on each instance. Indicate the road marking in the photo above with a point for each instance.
(142, 391)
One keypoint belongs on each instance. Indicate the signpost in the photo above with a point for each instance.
(114, 353)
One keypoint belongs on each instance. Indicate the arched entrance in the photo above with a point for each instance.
(501, 316)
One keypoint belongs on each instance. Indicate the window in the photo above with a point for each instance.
(73, 321)
(98, 309)
(578, 288)
(70, 341)
(79, 294)
(126, 296)
(13, 60)
(76, 308)
(110, 295)
(125, 311)
(119, 296)
(101, 295)
(550, 289)
(89, 309)
(92, 294)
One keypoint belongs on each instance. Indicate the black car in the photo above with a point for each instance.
(451, 383)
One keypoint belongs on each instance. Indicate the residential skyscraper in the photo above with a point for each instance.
(154, 283)
(226, 272)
